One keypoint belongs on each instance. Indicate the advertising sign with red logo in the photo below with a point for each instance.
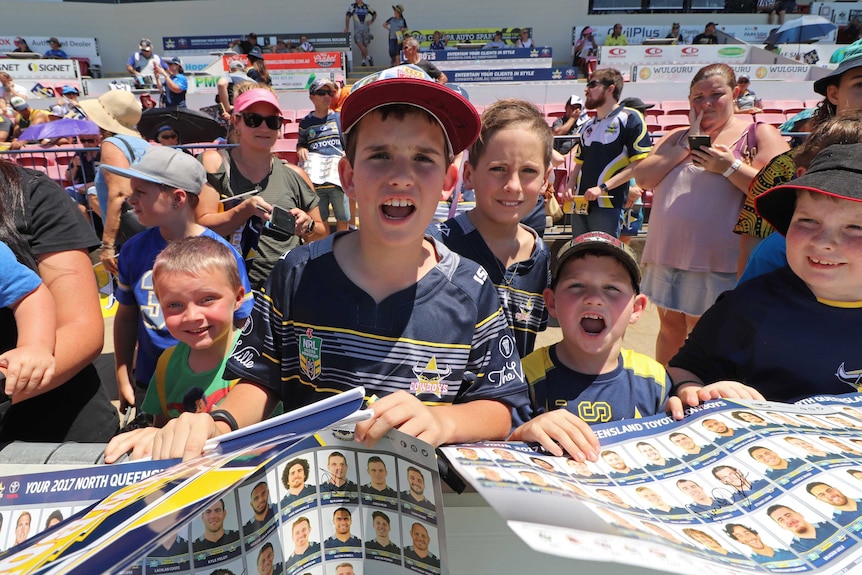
(297, 61)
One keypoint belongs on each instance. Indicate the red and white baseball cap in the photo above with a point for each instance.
(410, 85)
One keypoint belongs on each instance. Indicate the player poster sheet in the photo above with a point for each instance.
(737, 487)
(317, 503)
(322, 168)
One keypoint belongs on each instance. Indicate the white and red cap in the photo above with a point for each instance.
(410, 85)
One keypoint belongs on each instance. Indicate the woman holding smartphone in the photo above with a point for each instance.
(691, 251)
(246, 182)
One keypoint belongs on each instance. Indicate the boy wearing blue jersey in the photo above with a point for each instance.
(508, 167)
(587, 377)
(385, 307)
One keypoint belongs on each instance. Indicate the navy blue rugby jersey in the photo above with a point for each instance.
(607, 146)
(519, 288)
(638, 387)
(313, 333)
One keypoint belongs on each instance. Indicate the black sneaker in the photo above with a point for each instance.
(370, 61)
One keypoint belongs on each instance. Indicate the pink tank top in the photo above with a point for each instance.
(693, 215)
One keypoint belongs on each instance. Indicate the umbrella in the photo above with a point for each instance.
(62, 128)
(802, 29)
(191, 125)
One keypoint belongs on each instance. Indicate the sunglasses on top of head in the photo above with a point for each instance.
(253, 120)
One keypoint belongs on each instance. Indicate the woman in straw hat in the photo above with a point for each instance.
(116, 113)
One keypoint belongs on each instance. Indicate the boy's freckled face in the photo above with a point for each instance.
(508, 176)
(594, 302)
(198, 308)
(398, 174)
(824, 246)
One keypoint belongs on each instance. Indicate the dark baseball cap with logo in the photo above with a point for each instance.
(598, 243)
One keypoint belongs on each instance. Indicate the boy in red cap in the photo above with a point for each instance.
(384, 306)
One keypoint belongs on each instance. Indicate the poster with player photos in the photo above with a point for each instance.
(264, 502)
(736, 487)
(298, 513)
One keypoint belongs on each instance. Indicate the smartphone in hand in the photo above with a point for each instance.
(695, 142)
(281, 220)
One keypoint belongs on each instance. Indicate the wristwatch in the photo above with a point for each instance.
(603, 187)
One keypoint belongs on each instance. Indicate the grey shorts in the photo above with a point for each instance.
(691, 293)
(363, 37)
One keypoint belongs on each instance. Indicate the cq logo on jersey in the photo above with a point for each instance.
(654, 51)
(617, 51)
(690, 51)
(596, 412)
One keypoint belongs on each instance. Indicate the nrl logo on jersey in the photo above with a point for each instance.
(309, 354)
(430, 379)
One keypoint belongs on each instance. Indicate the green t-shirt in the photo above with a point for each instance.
(183, 389)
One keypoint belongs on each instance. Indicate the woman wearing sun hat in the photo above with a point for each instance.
(116, 113)
(396, 26)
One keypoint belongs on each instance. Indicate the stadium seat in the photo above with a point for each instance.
(285, 149)
(302, 112)
(288, 115)
(812, 103)
(747, 117)
(290, 131)
(672, 121)
(676, 107)
(772, 118)
(655, 110)
(789, 106)
(555, 110)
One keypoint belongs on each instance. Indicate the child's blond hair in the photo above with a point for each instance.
(196, 255)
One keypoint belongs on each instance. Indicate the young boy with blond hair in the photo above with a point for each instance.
(384, 306)
(507, 167)
(198, 286)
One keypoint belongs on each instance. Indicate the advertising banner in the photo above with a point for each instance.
(73, 47)
(624, 56)
(39, 69)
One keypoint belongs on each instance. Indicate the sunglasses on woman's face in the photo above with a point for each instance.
(166, 136)
(323, 93)
(253, 120)
(87, 140)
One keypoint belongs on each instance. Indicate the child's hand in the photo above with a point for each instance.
(184, 436)
(406, 413)
(27, 367)
(694, 395)
(138, 441)
(560, 429)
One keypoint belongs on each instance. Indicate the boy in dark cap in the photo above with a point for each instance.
(587, 378)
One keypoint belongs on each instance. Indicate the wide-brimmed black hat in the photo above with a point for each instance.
(852, 59)
(836, 171)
